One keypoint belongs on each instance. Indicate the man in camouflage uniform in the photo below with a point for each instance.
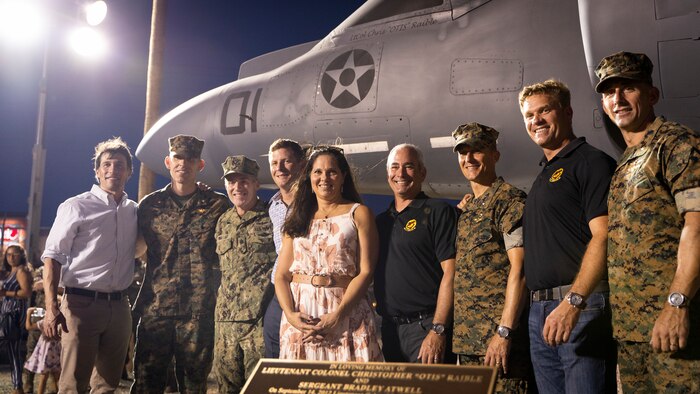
(247, 253)
(489, 289)
(654, 233)
(177, 299)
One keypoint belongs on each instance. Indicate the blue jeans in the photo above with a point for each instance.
(584, 364)
(271, 328)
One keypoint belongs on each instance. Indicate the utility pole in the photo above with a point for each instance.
(155, 67)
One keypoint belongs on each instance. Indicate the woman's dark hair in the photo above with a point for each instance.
(22, 260)
(302, 210)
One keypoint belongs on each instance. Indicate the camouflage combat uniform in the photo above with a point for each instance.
(644, 233)
(176, 302)
(481, 277)
(247, 253)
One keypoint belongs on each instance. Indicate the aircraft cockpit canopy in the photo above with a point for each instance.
(382, 10)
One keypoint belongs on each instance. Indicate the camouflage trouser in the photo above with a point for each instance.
(158, 339)
(643, 371)
(515, 382)
(237, 349)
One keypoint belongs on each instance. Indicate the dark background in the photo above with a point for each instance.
(92, 100)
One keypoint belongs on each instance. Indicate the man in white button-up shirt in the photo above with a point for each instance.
(91, 248)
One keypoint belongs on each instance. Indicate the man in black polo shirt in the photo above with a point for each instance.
(414, 277)
(565, 239)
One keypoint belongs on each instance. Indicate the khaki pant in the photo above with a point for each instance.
(94, 348)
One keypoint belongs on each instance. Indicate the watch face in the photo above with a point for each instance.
(438, 328)
(503, 332)
(575, 299)
(676, 299)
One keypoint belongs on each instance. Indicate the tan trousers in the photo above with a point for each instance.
(95, 346)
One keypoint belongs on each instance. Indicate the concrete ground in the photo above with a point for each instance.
(6, 382)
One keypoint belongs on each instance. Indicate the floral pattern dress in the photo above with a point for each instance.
(330, 248)
(46, 356)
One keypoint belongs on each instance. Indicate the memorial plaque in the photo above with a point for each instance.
(326, 377)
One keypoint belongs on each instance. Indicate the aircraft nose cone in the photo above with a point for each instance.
(198, 117)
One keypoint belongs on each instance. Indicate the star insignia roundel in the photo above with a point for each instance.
(348, 78)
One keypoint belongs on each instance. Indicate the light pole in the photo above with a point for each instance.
(94, 12)
(36, 188)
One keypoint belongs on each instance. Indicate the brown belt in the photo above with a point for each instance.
(323, 280)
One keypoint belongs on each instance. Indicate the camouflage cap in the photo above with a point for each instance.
(240, 165)
(474, 134)
(186, 146)
(627, 65)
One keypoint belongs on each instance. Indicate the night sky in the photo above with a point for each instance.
(92, 100)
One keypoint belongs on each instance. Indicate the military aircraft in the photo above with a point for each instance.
(412, 71)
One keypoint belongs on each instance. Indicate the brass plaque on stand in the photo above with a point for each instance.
(326, 377)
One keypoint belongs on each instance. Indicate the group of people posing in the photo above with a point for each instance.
(603, 257)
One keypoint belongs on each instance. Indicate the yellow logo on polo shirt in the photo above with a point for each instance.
(557, 175)
(411, 225)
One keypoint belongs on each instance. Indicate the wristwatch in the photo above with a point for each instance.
(503, 332)
(438, 328)
(575, 299)
(678, 300)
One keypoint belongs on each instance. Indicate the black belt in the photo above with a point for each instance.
(412, 318)
(558, 293)
(116, 296)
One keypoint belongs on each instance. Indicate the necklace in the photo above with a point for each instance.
(326, 212)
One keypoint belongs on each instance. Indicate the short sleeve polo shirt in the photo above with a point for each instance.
(413, 243)
(571, 190)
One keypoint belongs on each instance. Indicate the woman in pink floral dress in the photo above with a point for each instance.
(326, 265)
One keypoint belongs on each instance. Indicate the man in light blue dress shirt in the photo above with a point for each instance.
(286, 162)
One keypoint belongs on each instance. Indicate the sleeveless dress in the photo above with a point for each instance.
(46, 356)
(18, 308)
(330, 248)
(12, 304)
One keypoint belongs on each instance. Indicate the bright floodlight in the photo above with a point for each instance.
(87, 42)
(22, 22)
(95, 12)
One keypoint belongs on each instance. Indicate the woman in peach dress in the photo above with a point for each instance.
(326, 265)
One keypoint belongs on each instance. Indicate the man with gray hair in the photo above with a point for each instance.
(415, 272)
(246, 252)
